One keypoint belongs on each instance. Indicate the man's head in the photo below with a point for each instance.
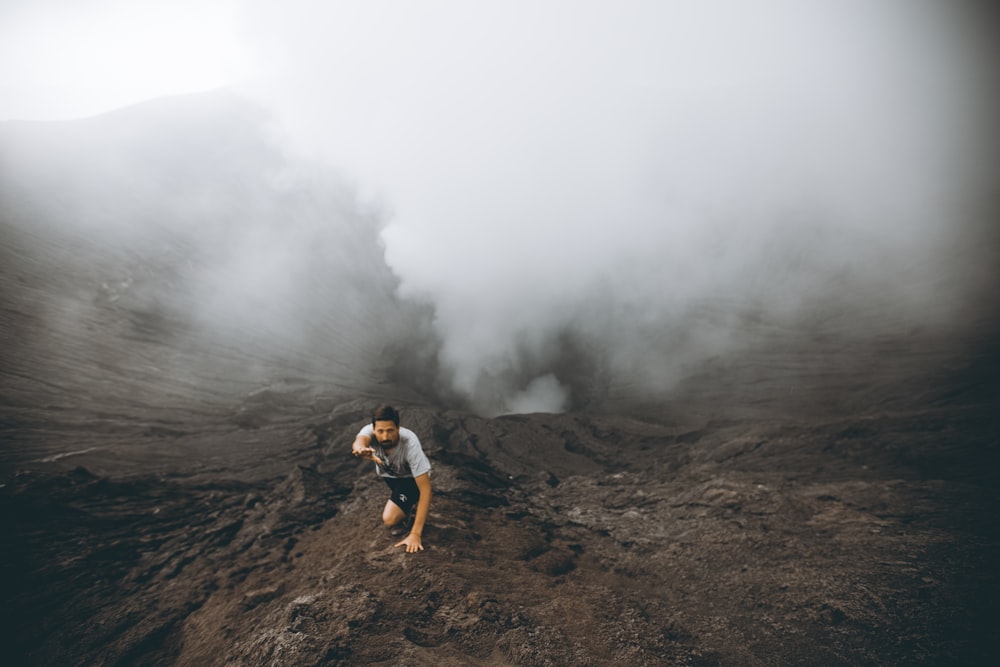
(385, 422)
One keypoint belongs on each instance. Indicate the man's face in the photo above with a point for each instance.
(387, 433)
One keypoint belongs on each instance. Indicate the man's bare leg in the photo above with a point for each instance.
(392, 515)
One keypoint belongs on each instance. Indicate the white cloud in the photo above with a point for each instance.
(667, 153)
(587, 166)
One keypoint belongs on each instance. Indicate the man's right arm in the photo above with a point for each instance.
(362, 448)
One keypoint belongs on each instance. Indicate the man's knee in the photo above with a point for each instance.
(392, 515)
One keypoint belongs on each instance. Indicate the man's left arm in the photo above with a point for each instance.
(413, 540)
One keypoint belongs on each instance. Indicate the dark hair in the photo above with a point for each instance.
(385, 413)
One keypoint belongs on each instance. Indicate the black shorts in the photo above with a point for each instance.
(404, 492)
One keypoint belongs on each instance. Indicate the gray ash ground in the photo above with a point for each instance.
(689, 535)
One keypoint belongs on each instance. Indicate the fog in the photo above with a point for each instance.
(626, 185)
(590, 197)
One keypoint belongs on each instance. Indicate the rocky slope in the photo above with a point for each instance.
(568, 539)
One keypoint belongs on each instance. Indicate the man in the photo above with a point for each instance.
(401, 463)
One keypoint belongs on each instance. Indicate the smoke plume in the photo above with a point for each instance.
(592, 193)
(535, 206)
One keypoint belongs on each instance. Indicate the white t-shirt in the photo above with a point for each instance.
(408, 458)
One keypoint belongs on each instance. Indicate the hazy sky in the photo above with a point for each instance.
(62, 59)
(603, 166)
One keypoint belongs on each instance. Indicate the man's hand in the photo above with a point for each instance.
(366, 453)
(412, 542)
